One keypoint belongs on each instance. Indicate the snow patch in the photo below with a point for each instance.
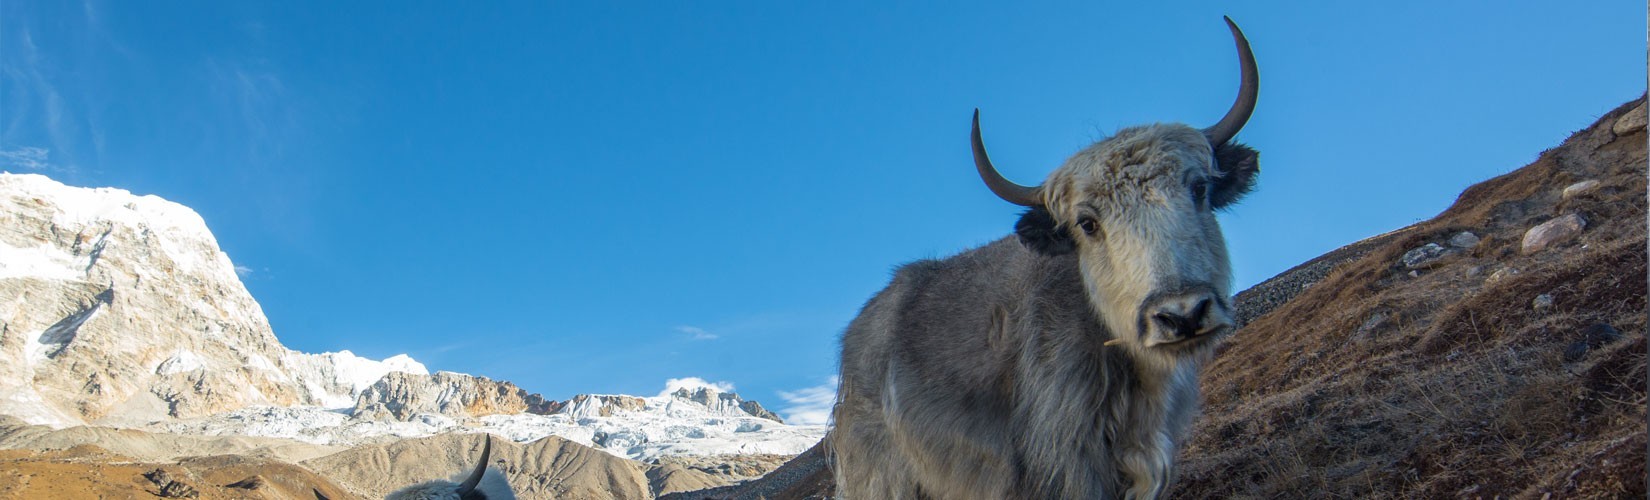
(26, 404)
(45, 261)
(360, 373)
(180, 362)
(692, 384)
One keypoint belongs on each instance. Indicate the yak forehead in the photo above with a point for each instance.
(1129, 168)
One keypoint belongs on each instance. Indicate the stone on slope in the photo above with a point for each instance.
(1552, 232)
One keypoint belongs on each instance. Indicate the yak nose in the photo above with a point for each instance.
(1189, 315)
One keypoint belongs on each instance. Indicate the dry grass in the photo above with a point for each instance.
(88, 471)
(1376, 383)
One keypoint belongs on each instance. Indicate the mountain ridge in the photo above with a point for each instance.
(121, 310)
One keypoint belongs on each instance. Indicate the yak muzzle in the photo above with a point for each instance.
(1182, 316)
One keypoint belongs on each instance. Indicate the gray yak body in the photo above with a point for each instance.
(1001, 417)
(1061, 362)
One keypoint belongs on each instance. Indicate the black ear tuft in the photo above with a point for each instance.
(1238, 165)
(1039, 232)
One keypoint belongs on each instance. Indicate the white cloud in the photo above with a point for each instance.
(27, 158)
(696, 333)
(243, 271)
(812, 405)
(693, 383)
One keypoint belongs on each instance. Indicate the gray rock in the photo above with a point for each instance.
(1369, 326)
(1592, 337)
(1464, 239)
(1475, 271)
(1553, 232)
(1599, 334)
(1424, 255)
(1501, 274)
(1542, 302)
(1575, 351)
(1580, 188)
(1631, 122)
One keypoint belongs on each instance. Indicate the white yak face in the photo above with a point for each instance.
(1138, 211)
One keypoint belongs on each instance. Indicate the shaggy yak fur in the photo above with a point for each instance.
(1060, 362)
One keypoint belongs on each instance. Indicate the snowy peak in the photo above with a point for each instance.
(723, 403)
(122, 309)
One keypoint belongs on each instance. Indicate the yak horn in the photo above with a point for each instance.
(1007, 190)
(1245, 105)
(469, 485)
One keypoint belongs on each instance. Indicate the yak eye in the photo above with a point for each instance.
(1200, 191)
(1088, 225)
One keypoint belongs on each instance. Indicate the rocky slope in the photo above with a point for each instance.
(1509, 362)
(1495, 351)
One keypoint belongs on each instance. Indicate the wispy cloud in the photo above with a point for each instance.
(693, 383)
(696, 333)
(243, 271)
(812, 405)
(29, 158)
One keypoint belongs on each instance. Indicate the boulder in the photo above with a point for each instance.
(1552, 232)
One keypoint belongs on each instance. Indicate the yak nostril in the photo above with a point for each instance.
(1200, 310)
(1182, 326)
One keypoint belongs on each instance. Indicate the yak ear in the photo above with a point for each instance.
(1040, 232)
(1238, 165)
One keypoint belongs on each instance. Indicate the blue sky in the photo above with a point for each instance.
(596, 198)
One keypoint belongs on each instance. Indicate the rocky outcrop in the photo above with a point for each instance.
(600, 405)
(726, 402)
(402, 396)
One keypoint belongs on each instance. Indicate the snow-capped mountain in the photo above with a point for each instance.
(121, 310)
(641, 428)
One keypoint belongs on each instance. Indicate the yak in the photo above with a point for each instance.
(1060, 362)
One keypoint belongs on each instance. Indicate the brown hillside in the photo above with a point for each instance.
(1452, 381)
(87, 471)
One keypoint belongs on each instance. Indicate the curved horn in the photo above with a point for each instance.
(1004, 188)
(1245, 105)
(469, 484)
